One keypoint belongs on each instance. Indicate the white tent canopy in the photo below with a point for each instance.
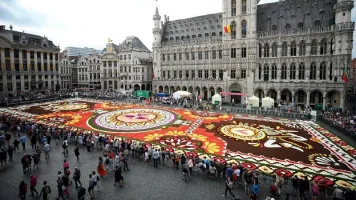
(254, 101)
(268, 102)
(181, 94)
(216, 97)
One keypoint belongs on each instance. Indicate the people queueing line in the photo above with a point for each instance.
(117, 153)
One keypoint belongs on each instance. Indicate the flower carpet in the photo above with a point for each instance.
(270, 145)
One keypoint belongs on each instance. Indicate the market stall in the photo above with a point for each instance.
(254, 101)
(181, 94)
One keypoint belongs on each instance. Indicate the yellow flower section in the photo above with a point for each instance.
(152, 137)
(211, 147)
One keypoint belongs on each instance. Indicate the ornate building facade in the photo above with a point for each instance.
(28, 62)
(127, 66)
(288, 50)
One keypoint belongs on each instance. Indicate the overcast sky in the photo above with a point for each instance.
(89, 23)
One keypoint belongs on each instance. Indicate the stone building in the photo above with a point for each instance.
(127, 66)
(288, 50)
(89, 71)
(28, 62)
(66, 66)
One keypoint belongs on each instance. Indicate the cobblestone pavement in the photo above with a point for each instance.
(141, 182)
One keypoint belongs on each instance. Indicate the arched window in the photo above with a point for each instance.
(293, 49)
(302, 48)
(293, 71)
(199, 36)
(312, 71)
(274, 71)
(213, 34)
(243, 28)
(233, 7)
(244, 7)
(259, 72)
(260, 50)
(314, 48)
(266, 72)
(182, 38)
(233, 30)
(284, 71)
(187, 37)
(206, 34)
(177, 38)
(266, 50)
(322, 71)
(323, 47)
(274, 49)
(284, 49)
(301, 73)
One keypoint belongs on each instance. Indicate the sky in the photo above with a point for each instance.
(90, 23)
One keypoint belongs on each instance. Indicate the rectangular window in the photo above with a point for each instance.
(174, 74)
(180, 56)
(163, 57)
(200, 55)
(187, 74)
(180, 74)
(193, 73)
(221, 74)
(233, 73)
(200, 74)
(243, 73)
(174, 56)
(214, 74)
(220, 54)
(124, 57)
(169, 74)
(129, 56)
(206, 74)
(193, 55)
(214, 54)
(243, 52)
(206, 55)
(186, 55)
(233, 52)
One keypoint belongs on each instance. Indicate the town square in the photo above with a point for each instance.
(167, 99)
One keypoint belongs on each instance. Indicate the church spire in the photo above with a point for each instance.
(157, 13)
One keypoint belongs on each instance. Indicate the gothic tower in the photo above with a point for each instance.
(157, 37)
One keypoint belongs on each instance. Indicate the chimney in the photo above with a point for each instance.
(2, 27)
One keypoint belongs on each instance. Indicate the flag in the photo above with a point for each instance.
(227, 29)
(345, 75)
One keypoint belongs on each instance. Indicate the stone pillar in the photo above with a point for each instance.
(324, 100)
(308, 99)
(342, 100)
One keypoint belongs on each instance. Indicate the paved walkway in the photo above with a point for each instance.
(141, 182)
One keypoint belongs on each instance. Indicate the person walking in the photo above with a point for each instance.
(60, 187)
(190, 165)
(118, 176)
(76, 177)
(10, 152)
(81, 193)
(101, 169)
(23, 142)
(96, 180)
(33, 183)
(45, 191)
(76, 152)
(3, 157)
(47, 149)
(228, 187)
(91, 186)
(22, 190)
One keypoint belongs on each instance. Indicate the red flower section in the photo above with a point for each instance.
(283, 172)
(341, 143)
(249, 166)
(191, 154)
(352, 151)
(221, 160)
(327, 181)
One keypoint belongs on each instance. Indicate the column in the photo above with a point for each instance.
(308, 99)
(278, 95)
(324, 100)
(342, 100)
(293, 97)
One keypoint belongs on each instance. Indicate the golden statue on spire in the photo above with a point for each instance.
(109, 40)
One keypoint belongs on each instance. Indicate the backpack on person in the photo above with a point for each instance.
(47, 190)
(107, 161)
(64, 145)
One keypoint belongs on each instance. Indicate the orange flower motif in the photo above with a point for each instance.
(314, 139)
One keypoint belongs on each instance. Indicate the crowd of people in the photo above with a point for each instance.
(17, 133)
(345, 121)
